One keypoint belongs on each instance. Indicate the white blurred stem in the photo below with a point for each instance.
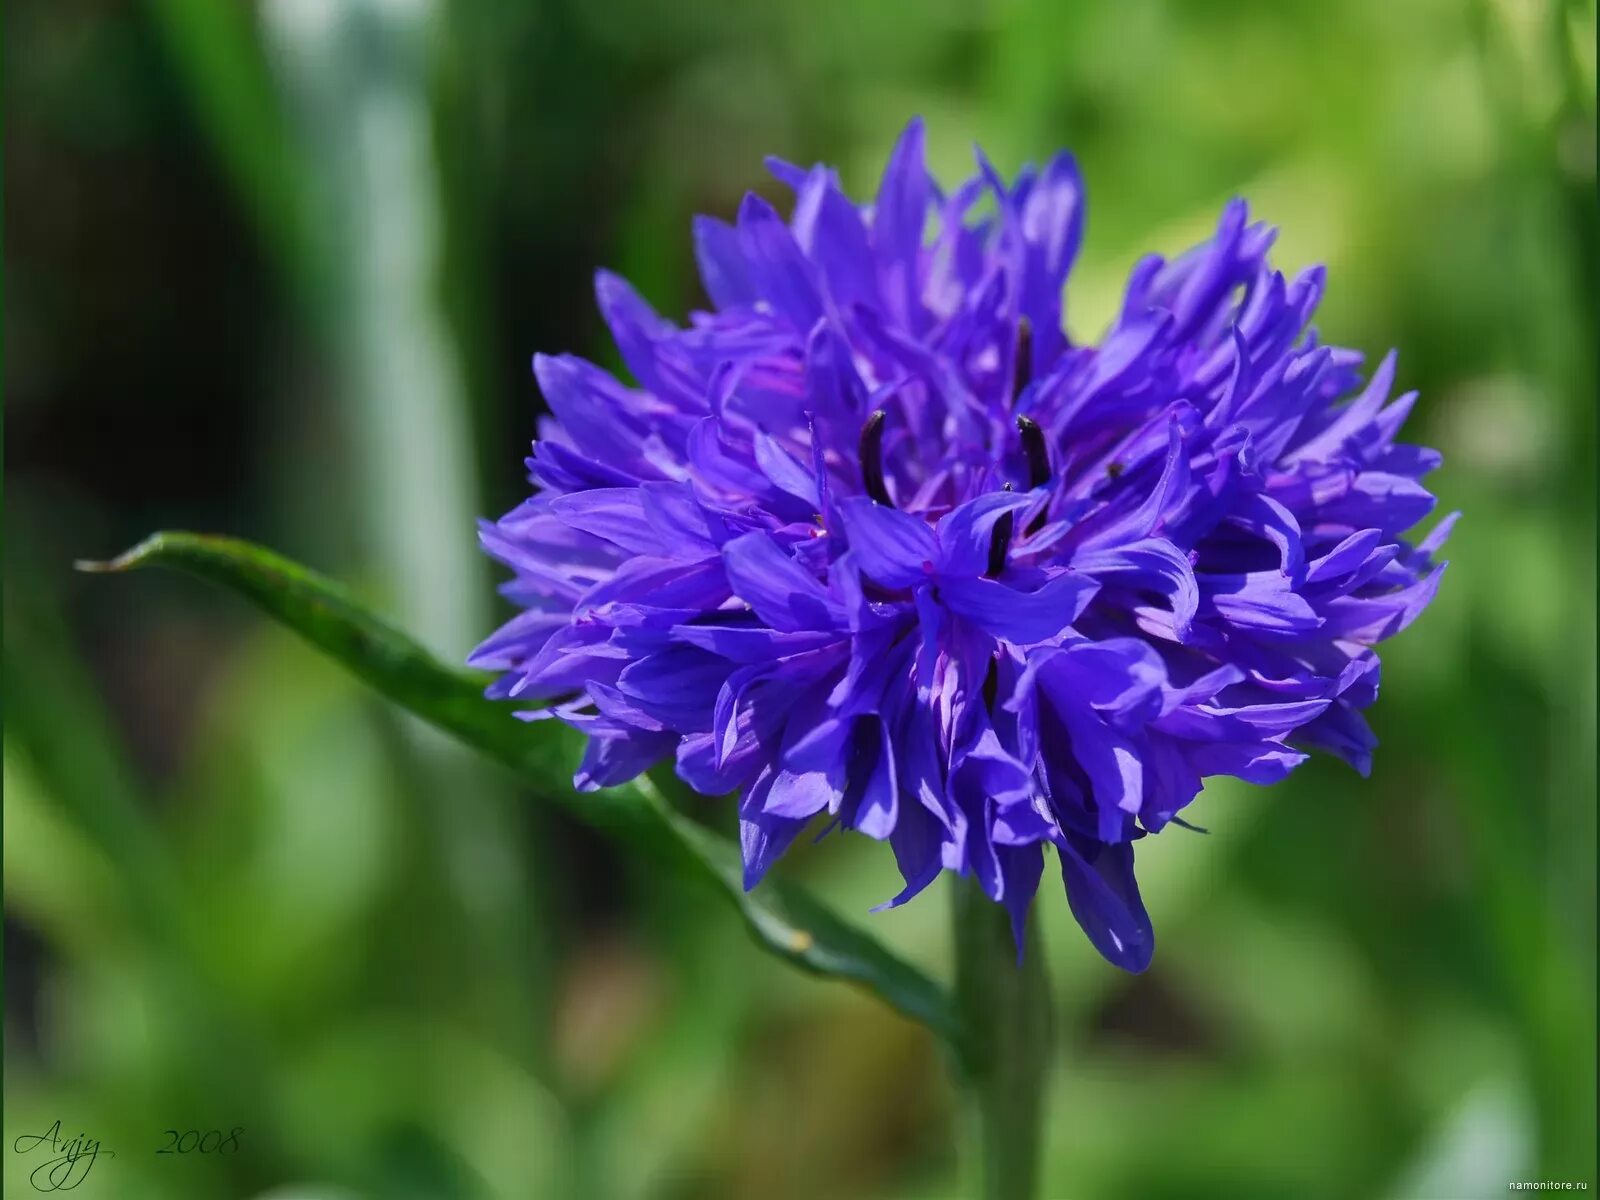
(355, 73)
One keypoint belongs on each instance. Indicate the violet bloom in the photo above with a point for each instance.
(874, 538)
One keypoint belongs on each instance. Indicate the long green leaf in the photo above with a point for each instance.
(782, 918)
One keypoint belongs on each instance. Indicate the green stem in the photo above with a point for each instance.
(1006, 1049)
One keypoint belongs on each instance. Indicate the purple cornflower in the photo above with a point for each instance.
(873, 537)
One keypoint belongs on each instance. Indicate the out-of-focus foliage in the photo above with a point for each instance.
(277, 270)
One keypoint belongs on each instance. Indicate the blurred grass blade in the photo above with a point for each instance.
(54, 721)
(784, 919)
(216, 50)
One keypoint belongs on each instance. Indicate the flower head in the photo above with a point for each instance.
(873, 538)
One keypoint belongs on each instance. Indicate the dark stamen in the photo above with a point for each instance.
(872, 459)
(1022, 366)
(991, 684)
(1000, 543)
(1038, 454)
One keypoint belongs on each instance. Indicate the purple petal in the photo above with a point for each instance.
(762, 837)
(614, 514)
(1344, 732)
(829, 230)
(609, 761)
(877, 807)
(776, 267)
(1022, 618)
(965, 533)
(1371, 619)
(785, 472)
(678, 519)
(1021, 868)
(776, 587)
(1261, 601)
(895, 549)
(1052, 228)
(1104, 898)
(1153, 564)
(1253, 762)
(721, 262)
(1108, 758)
(750, 644)
(897, 224)
(1345, 557)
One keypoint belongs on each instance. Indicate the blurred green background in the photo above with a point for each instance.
(277, 269)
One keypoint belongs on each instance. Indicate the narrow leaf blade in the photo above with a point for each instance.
(783, 919)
